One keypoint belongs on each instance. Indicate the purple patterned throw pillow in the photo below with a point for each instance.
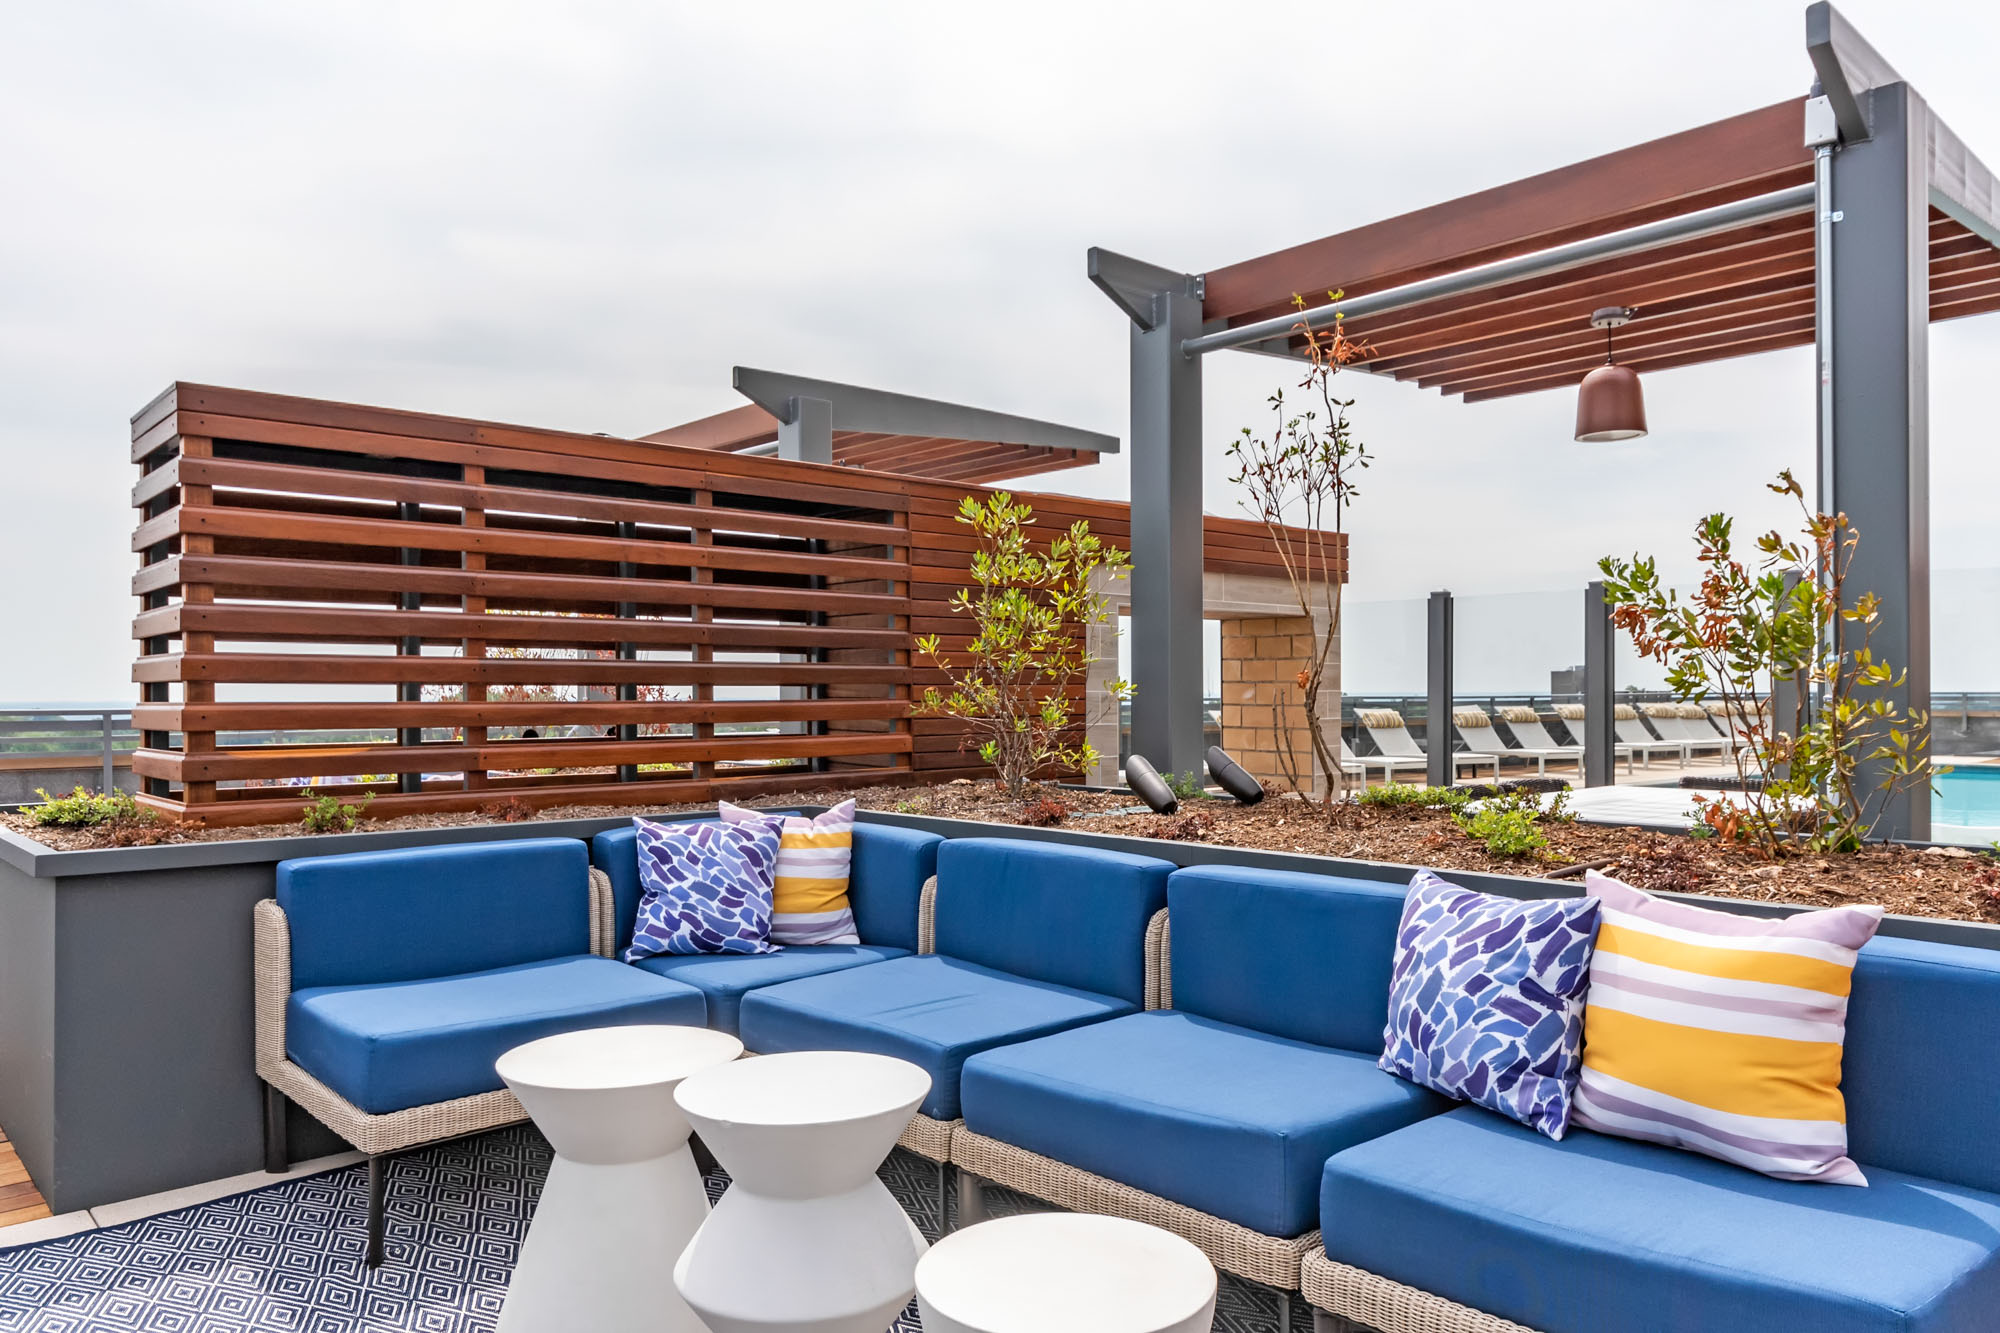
(707, 887)
(1486, 1000)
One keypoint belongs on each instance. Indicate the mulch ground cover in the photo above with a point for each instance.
(1956, 883)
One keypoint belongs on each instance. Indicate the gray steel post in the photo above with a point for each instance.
(1439, 770)
(1600, 690)
(806, 433)
(1167, 538)
(1880, 452)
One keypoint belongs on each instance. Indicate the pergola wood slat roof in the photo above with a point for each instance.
(1743, 290)
(898, 433)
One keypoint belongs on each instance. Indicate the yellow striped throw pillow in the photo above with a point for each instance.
(809, 898)
(1721, 1034)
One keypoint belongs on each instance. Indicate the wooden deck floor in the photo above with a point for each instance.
(20, 1201)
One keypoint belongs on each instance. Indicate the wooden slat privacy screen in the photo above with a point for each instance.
(448, 612)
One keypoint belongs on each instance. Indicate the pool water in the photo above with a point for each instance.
(1967, 796)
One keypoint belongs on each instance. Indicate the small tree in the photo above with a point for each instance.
(1791, 619)
(1304, 471)
(1029, 613)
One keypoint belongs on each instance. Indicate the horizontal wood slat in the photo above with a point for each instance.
(538, 615)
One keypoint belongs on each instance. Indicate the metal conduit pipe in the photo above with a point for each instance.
(1646, 236)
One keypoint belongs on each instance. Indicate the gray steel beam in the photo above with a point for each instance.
(1880, 404)
(1439, 769)
(1555, 259)
(805, 430)
(1847, 66)
(1600, 690)
(878, 412)
(1167, 557)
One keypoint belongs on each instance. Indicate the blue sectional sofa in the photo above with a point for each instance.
(388, 983)
(886, 885)
(1470, 1213)
(1195, 1048)
(1220, 1110)
(1031, 939)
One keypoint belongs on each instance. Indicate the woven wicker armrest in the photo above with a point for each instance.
(927, 917)
(271, 950)
(603, 926)
(1159, 962)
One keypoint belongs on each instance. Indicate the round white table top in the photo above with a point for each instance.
(1054, 1272)
(617, 1057)
(805, 1088)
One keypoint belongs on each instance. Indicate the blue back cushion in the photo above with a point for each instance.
(1301, 956)
(884, 881)
(1921, 1082)
(887, 880)
(1071, 916)
(423, 912)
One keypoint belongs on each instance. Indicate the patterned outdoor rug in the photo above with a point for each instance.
(288, 1257)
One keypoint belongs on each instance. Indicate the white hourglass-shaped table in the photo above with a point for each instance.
(1065, 1273)
(623, 1194)
(806, 1239)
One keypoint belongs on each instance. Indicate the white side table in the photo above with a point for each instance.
(623, 1195)
(806, 1239)
(1065, 1273)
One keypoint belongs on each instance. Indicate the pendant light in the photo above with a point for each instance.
(1609, 405)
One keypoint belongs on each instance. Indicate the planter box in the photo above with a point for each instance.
(126, 1052)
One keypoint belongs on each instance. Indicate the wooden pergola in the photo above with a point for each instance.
(1738, 291)
(1848, 219)
(820, 421)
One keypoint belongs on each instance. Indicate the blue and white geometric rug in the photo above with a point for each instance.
(287, 1258)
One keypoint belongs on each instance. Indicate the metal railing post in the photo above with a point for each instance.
(110, 765)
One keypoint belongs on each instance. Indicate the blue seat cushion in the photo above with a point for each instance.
(726, 978)
(1225, 1120)
(398, 1044)
(1606, 1235)
(929, 1010)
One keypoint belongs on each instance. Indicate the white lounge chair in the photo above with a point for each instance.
(1736, 721)
(1632, 734)
(1573, 716)
(1385, 727)
(1478, 730)
(1531, 734)
(1358, 765)
(1678, 722)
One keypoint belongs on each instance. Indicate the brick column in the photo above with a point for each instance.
(1261, 715)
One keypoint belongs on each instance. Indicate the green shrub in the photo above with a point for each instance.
(81, 808)
(1404, 793)
(330, 814)
(1508, 823)
(1187, 786)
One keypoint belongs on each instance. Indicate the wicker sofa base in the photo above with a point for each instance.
(930, 1138)
(1271, 1260)
(378, 1134)
(1376, 1303)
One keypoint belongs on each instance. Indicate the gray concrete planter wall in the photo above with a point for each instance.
(126, 1062)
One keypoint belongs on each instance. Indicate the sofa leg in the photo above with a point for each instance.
(277, 1155)
(1284, 1312)
(378, 1181)
(971, 1199)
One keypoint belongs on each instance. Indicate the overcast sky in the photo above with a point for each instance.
(583, 215)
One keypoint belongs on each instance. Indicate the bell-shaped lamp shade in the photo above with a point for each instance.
(1610, 406)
